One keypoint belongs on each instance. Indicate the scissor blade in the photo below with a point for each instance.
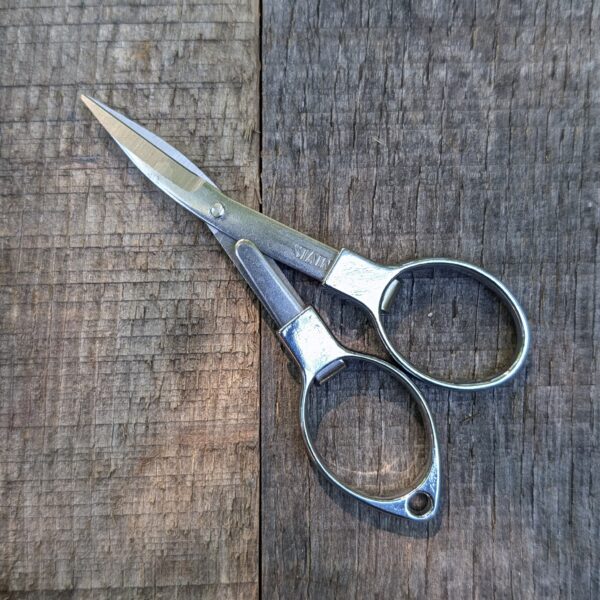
(178, 177)
(147, 150)
(117, 124)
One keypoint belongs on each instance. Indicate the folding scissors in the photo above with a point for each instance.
(254, 242)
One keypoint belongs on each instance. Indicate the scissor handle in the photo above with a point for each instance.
(321, 357)
(373, 286)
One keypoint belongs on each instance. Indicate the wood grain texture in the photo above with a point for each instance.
(407, 129)
(129, 386)
(129, 347)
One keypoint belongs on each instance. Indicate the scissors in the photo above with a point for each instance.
(256, 243)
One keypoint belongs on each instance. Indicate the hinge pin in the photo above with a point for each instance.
(217, 210)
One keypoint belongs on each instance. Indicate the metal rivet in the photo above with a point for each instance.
(217, 210)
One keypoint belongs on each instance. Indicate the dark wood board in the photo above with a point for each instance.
(133, 359)
(129, 357)
(469, 130)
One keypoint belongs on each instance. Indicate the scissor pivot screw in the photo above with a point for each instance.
(217, 210)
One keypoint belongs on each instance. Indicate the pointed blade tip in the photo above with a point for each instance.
(142, 145)
(91, 104)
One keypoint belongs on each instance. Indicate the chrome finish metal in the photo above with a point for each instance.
(331, 370)
(361, 280)
(368, 284)
(314, 348)
(217, 210)
(187, 185)
(388, 296)
(268, 283)
(247, 236)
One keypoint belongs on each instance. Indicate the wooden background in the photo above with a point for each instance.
(149, 438)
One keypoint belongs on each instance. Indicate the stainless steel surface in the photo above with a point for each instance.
(331, 370)
(180, 168)
(314, 348)
(217, 210)
(268, 283)
(359, 279)
(247, 236)
(187, 185)
(367, 283)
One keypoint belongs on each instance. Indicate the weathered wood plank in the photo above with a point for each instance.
(128, 345)
(469, 130)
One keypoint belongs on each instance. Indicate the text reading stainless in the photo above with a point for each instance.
(311, 257)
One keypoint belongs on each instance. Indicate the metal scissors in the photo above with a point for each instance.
(254, 242)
